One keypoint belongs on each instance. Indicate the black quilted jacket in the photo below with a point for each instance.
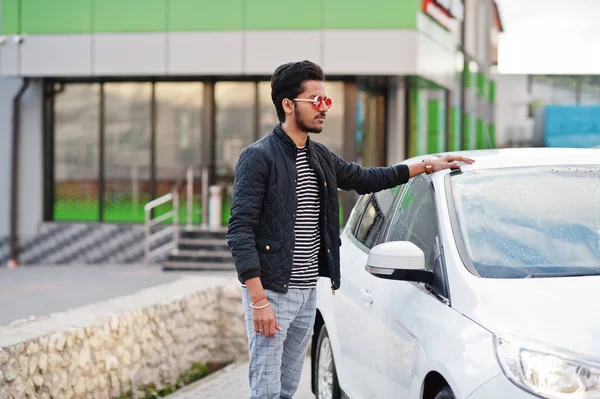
(261, 228)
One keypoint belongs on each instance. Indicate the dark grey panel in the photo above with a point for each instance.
(56, 55)
(129, 54)
(8, 88)
(31, 173)
(210, 53)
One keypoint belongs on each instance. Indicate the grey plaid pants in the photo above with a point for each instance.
(276, 363)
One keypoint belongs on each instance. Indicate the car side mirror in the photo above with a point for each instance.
(399, 260)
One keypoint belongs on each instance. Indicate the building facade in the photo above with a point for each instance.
(548, 110)
(104, 103)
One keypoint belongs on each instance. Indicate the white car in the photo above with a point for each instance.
(480, 283)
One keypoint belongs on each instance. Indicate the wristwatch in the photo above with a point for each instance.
(428, 167)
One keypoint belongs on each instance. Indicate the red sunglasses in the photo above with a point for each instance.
(317, 101)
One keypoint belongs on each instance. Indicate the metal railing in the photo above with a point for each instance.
(174, 229)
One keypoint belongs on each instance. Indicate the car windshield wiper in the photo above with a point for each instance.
(592, 272)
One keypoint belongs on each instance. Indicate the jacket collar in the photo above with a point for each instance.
(286, 140)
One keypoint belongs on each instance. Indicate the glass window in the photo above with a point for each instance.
(178, 135)
(126, 151)
(374, 217)
(235, 120)
(332, 135)
(235, 130)
(370, 127)
(76, 156)
(267, 115)
(415, 219)
(178, 127)
(517, 222)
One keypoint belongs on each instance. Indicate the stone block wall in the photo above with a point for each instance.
(117, 346)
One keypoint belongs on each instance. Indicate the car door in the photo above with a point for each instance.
(352, 304)
(397, 303)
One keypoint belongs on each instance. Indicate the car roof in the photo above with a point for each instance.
(517, 157)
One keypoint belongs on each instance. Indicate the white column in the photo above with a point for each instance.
(396, 135)
(31, 173)
(8, 88)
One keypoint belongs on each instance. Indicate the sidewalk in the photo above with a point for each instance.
(41, 290)
(232, 383)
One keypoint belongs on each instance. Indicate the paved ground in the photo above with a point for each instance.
(232, 383)
(41, 290)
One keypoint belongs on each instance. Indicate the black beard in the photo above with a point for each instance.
(302, 126)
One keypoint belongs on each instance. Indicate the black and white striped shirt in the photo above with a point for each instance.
(305, 269)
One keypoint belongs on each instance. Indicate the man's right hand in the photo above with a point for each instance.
(265, 321)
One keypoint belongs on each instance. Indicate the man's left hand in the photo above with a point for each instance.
(449, 162)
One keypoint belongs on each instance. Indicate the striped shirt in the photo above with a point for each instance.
(305, 268)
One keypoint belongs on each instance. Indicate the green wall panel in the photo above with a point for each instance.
(414, 123)
(482, 85)
(454, 144)
(283, 15)
(485, 135)
(79, 209)
(481, 139)
(56, 16)
(374, 14)
(492, 92)
(469, 78)
(203, 15)
(9, 13)
(435, 126)
(130, 16)
(120, 16)
(470, 132)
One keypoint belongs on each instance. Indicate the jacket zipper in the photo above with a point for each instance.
(323, 189)
(295, 214)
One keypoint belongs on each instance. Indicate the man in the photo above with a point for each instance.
(284, 227)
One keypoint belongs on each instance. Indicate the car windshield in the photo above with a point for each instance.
(528, 222)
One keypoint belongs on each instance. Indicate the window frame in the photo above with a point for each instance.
(355, 239)
(384, 226)
(357, 215)
(362, 218)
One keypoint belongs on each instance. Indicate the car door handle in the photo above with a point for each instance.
(367, 296)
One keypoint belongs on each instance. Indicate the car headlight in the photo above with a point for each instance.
(547, 372)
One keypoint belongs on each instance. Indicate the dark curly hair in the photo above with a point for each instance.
(287, 81)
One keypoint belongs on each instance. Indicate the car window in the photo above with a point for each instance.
(415, 219)
(357, 212)
(374, 217)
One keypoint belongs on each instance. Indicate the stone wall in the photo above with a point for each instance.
(109, 348)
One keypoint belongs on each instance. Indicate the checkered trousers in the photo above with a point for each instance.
(276, 362)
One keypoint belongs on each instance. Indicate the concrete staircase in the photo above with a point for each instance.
(200, 249)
